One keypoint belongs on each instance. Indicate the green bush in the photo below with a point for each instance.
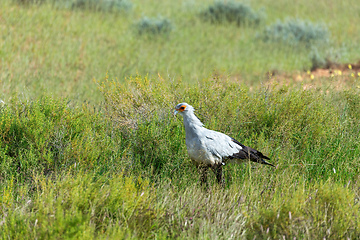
(231, 12)
(154, 26)
(296, 31)
(26, 2)
(94, 5)
(317, 61)
(102, 5)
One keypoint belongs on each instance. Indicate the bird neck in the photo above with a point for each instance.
(191, 121)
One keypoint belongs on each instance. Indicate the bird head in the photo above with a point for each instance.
(183, 108)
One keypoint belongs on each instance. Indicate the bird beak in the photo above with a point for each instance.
(175, 112)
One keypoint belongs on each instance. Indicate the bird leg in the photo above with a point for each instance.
(203, 169)
(217, 169)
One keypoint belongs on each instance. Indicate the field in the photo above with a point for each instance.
(90, 149)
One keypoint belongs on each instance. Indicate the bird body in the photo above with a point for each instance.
(208, 148)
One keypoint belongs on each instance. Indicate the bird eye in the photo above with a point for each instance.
(182, 107)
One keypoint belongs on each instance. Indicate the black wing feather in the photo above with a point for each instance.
(250, 153)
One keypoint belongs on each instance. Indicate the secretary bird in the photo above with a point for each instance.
(212, 149)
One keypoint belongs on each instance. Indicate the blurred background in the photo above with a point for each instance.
(64, 47)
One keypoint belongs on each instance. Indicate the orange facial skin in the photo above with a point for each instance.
(181, 109)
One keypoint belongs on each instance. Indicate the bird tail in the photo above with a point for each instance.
(266, 163)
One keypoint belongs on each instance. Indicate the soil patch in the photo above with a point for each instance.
(336, 76)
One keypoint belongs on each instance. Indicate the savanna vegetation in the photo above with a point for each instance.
(90, 149)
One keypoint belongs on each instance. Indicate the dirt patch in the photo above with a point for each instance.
(337, 69)
(335, 76)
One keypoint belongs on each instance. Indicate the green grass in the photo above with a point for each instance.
(61, 51)
(79, 172)
(90, 149)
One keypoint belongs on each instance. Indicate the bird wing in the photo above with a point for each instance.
(224, 147)
(220, 145)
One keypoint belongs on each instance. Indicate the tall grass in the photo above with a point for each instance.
(46, 136)
(122, 170)
(79, 207)
(310, 124)
(135, 129)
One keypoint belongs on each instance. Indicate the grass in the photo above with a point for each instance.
(57, 50)
(85, 156)
(122, 170)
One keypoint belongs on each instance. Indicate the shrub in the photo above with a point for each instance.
(102, 5)
(325, 59)
(231, 12)
(296, 31)
(93, 5)
(154, 26)
(317, 60)
(26, 2)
